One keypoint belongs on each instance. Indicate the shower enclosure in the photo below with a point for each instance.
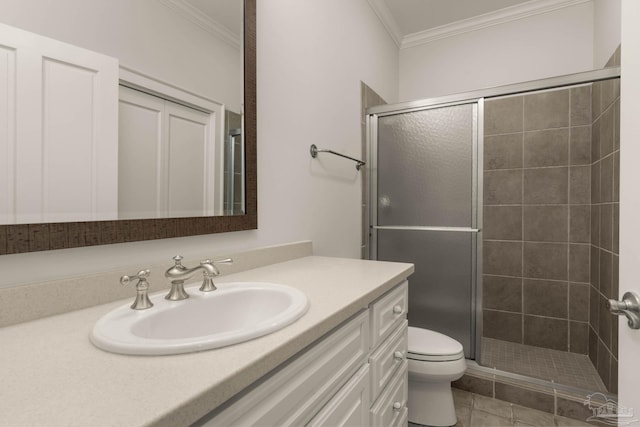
(506, 201)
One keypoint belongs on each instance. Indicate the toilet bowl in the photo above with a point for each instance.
(435, 360)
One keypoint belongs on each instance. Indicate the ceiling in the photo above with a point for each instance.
(414, 16)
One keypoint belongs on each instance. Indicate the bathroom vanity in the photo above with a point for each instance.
(344, 360)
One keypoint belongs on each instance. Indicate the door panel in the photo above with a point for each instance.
(440, 290)
(425, 167)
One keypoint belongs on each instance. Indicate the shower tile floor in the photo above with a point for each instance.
(552, 365)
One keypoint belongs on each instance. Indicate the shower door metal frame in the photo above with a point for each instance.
(371, 129)
(476, 198)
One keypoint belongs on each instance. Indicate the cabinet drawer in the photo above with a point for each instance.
(388, 312)
(390, 408)
(350, 407)
(387, 359)
(294, 394)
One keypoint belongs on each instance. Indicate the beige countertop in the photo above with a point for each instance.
(50, 374)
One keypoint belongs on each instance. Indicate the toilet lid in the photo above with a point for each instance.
(425, 344)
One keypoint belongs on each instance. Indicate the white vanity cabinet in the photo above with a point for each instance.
(354, 376)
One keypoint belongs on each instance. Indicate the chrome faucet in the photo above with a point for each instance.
(142, 301)
(178, 274)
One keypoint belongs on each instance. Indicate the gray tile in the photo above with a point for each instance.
(529, 398)
(580, 146)
(532, 416)
(606, 179)
(595, 182)
(581, 105)
(492, 406)
(502, 223)
(593, 347)
(484, 419)
(546, 186)
(616, 125)
(461, 397)
(572, 409)
(613, 382)
(545, 260)
(546, 148)
(503, 187)
(546, 110)
(502, 258)
(463, 414)
(615, 244)
(578, 337)
(606, 273)
(604, 363)
(595, 101)
(503, 115)
(607, 94)
(502, 325)
(579, 269)
(594, 308)
(475, 385)
(616, 177)
(580, 224)
(545, 298)
(595, 225)
(502, 293)
(604, 325)
(595, 141)
(545, 332)
(606, 132)
(606, 226)
(594, 263)
(579, 185)
(568, 422)
(546, 223)
(503, 151)
(579, 302)
(615, 277)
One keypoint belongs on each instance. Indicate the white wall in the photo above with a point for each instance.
(144, 35)
(606, 30)
(312, 56)
(539, 46)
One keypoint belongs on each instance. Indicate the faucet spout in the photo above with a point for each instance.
(178, 274)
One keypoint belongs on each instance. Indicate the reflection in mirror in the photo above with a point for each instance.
(142, 122)
(177, 67)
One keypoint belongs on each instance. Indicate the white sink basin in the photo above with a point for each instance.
(233, 313)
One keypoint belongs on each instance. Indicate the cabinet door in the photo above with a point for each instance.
(350, 406)
(59, 125)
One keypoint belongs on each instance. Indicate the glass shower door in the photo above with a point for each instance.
(425, 187)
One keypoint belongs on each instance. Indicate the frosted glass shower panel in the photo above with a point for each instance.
(425, 167)
(440, 291)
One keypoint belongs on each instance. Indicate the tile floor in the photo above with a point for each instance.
(552, 365)
(474, 410)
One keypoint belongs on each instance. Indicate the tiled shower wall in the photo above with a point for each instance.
(605, 191)
(550, 245)
(536, 219)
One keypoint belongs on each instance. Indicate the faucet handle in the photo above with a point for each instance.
(178, 259)
(207, 281)
(142, 300)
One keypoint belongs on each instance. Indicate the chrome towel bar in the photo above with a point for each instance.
(315, 150)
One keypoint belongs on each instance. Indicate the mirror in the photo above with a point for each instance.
(67, 233)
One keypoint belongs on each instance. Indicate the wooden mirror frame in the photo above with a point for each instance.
(22, 238)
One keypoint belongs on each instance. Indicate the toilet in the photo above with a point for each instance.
(435, 360)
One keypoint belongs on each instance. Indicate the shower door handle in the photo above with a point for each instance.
(629, 307)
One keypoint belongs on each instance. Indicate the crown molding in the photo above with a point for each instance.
(502, 16)
(197, 17)
(384, 14)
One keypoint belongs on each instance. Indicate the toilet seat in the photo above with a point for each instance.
(433, 346)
